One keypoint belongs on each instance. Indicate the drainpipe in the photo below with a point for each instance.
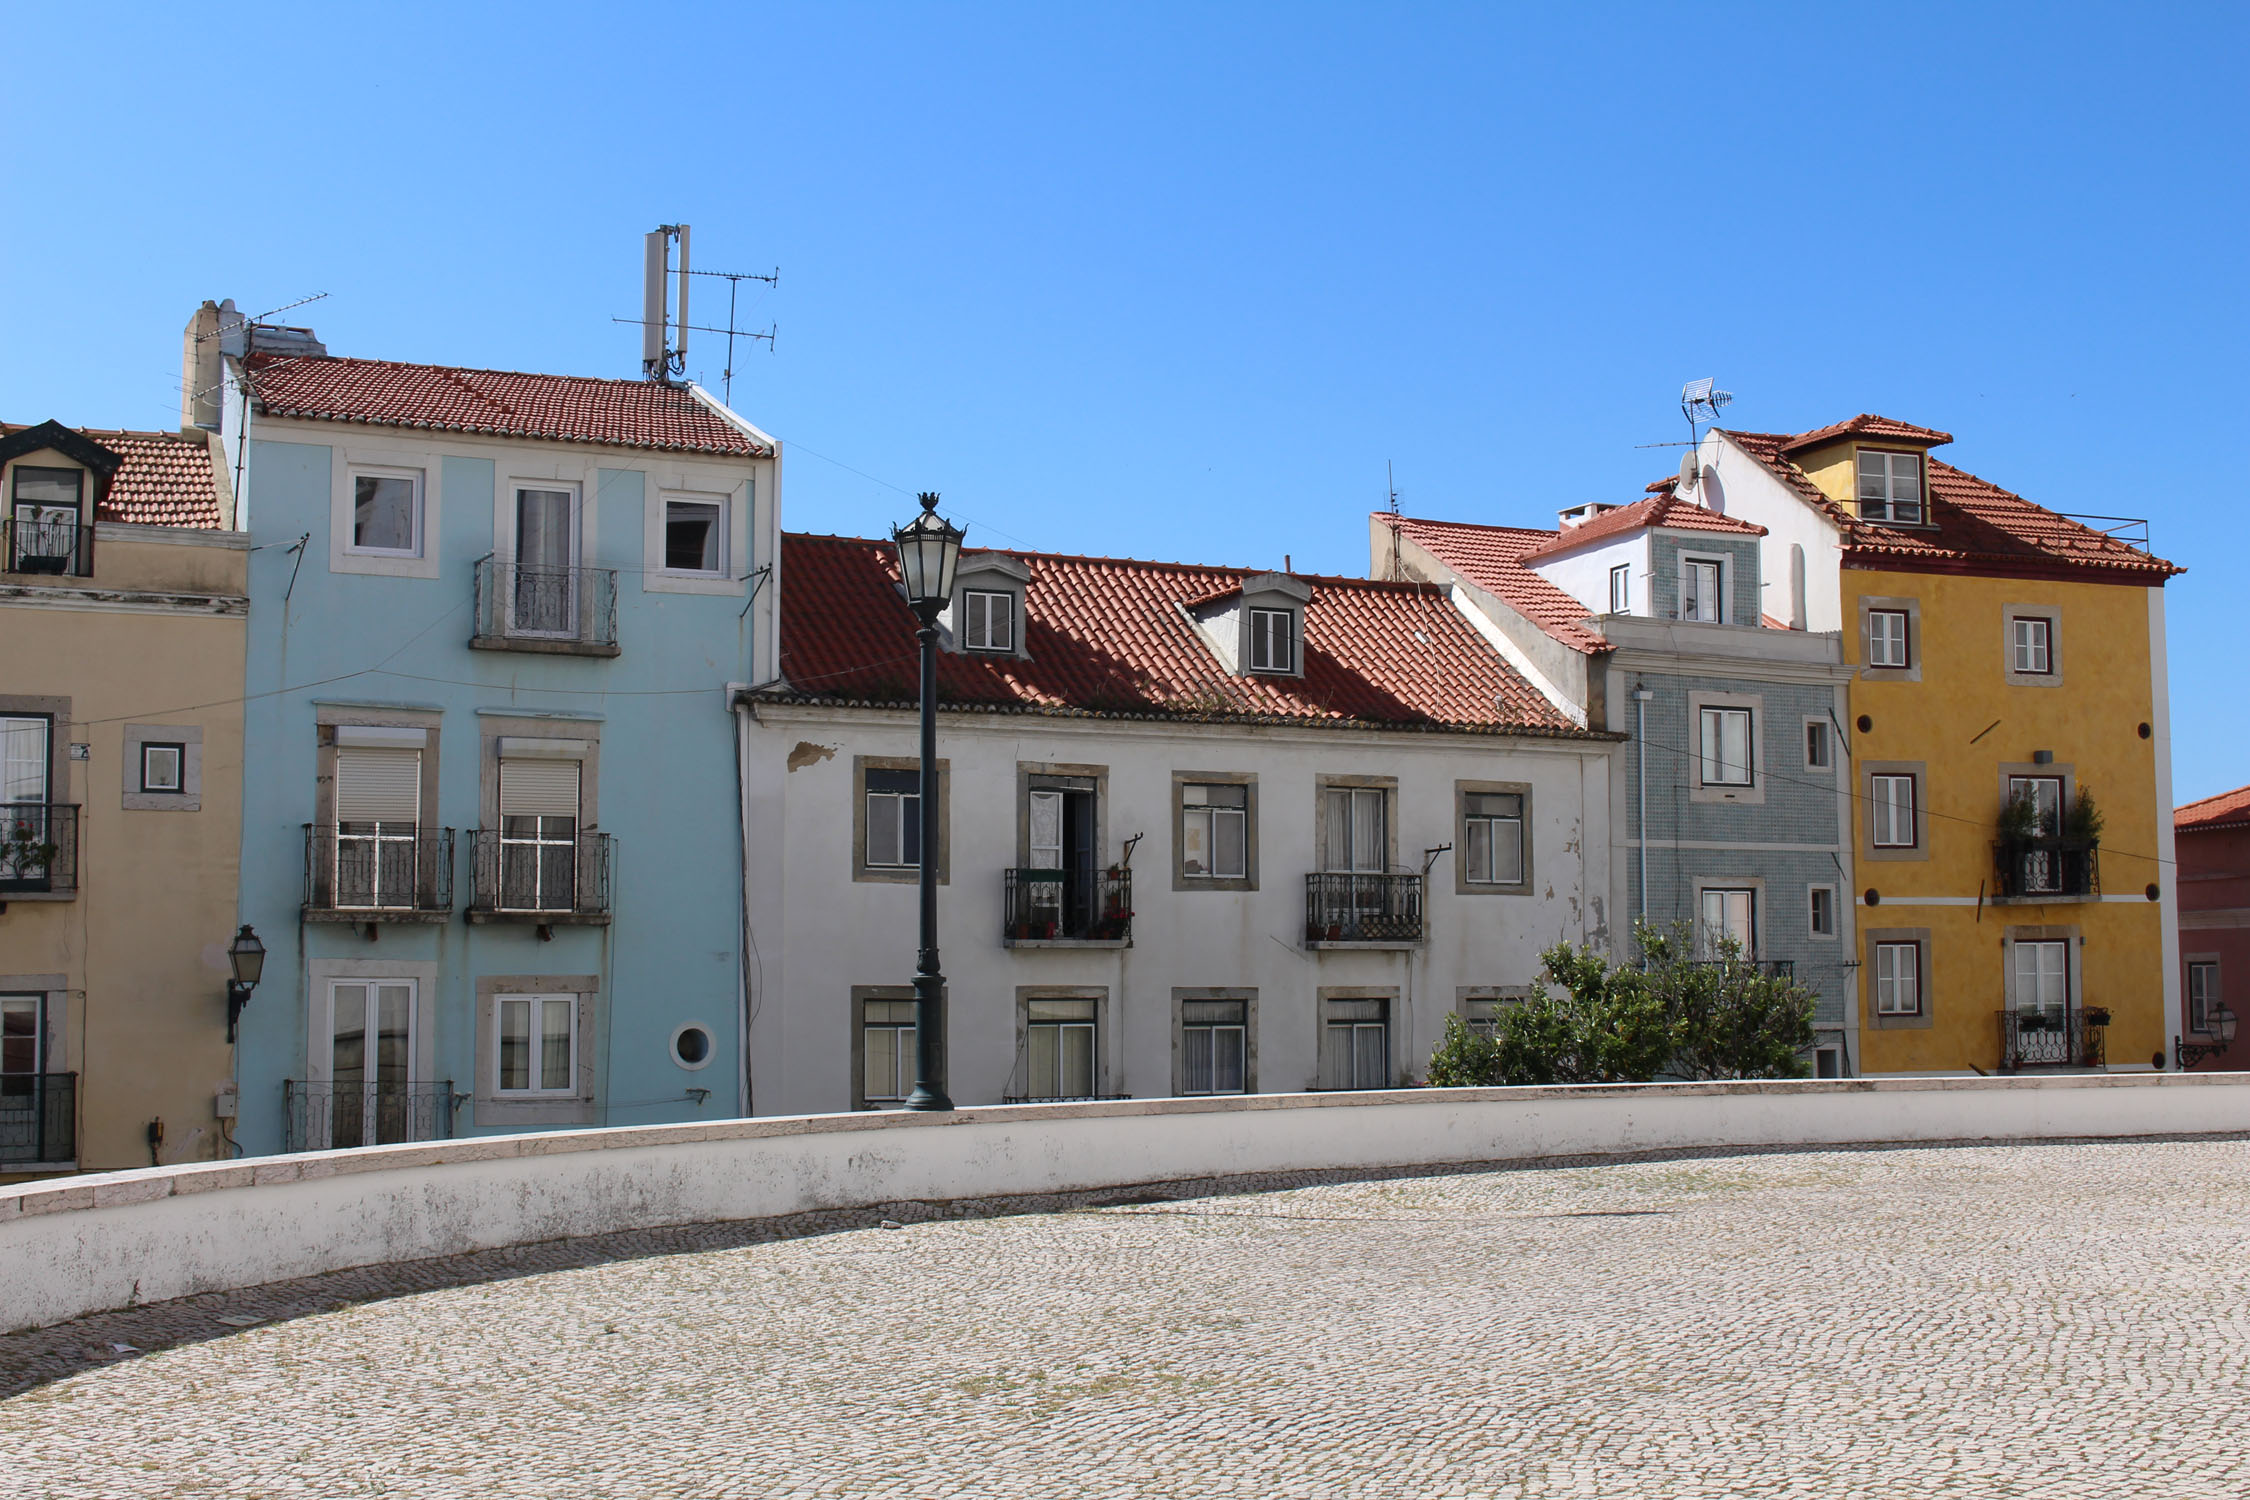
(1641, 695)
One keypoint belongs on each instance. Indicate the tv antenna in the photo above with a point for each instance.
(1390, 481)
(664, 308)
(1700, 402)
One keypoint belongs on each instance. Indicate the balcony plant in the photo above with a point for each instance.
(2097, 1015)
(2020, 821)
(2083, 823)
(24, 853)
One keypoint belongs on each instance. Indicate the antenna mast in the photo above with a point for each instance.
(664, 312)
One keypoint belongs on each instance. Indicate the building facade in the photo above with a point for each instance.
(122, 608)
(2213, 842)
(1203, 831)
(494, 620)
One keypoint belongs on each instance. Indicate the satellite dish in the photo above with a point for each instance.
(1689, 474)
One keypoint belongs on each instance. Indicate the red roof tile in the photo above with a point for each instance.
(2226, 810)
(1867, 424)
(1107, 636)
(164, 479)
(1491, 557)
(498, 403)
(1657, 510)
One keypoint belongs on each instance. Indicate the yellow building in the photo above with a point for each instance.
(2009, 686)
(122, 610)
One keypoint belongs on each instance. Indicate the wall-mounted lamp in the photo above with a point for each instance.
(2187, 1054)
(247, 956)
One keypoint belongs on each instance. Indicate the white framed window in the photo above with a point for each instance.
(1214, 1046)
(1887, 639)
(2030, 645)
(26, 747)
(1059, 1049)
(1702, 581)
(1728, 912)
(1891, 811)
(163, 767)
(539, 834)
(886, 1037)
(894, 819)
(1215, 831)
(538, 1044)
(1492, 837)
(1358, 829)
(695, 536)
(1898, 979)
(1273, 640)
(2042, 976)
(1890, 487)
(386, 512)
(1355, 1044)
(1820, 746)
(1621, 589)
(1725, 746)
(2202, 993)
(1822, 915)
(988, 620)
(543, 592)
(371, 1100)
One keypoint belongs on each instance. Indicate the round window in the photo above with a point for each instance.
(691, 1046)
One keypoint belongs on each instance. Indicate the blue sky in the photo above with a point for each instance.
(1179, 281)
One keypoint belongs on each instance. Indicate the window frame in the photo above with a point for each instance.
(2047, 616)
(539, 1006)
(2196, 1008)
(1869, 773)
(721, 533)
(1718, 564)
(1819, 730)
(1911, 669)
(2019, 643)
(1708, 758)
(1182, 880)
(178, 749)
(1324, 784)
(1913, 952)
(417, 510)
(969, 600)
(1464, 879)
(1872, 940)
(1813, 927)
(1260, 640)
(1247, 999)
(1881, 641)
(1621, 589)
(1754, 894)
(1750, 792)
(1884, 797)
(862, 871)
(1095, 1023)
(1889, 503)
(1330, 1023)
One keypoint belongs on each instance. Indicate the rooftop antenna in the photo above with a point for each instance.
(1390, 480)
(1700, 402)
(664, 308)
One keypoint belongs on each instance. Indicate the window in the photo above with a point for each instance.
(1891, 811)
(1214, 1046)
(2042, 977)
(1481, 1013)
(163, 767)
(2202, 994)
(378, 810)
(370, 1065)
(988, 621)
(1898, 979)
(26, 744)
(538, 1044)
(1725, 757)
(2045, 794)
(1273, 645)
(23, 1043)
(44, 532)
(894, 819)
(1729, 912)
(1355, 1044)
(544, 600)
(1887, 639)
(1620, 589)
(1059, 1049)
(886, 1042)
(387, 512)
(539, 834)
(1061, 890)
(695, 537)
(2030, 643)
(1700, 597)
(1890, 487)
(1492, 836)
(1819, 753)
(691, 1047)
(1215, 831)
(1823, 911)
(1358, 819)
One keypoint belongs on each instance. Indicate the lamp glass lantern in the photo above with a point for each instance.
(929, 551)
(247, 956)
(2222, 1026)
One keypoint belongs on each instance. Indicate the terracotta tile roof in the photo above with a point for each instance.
(2226, 810)
(163, 479)
(1106, 636)
(497, 403)
(1656, 510)
(1491, 557)
(1867, 424)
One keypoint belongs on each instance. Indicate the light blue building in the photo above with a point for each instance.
(491, 758)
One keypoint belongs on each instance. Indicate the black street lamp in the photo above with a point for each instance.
(929, 548)
(247, 956)
(2187, 1054)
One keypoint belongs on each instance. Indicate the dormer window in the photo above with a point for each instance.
(988, 614)
(45, 514)
(1890, 487)
(988, 620)
(1273, 640)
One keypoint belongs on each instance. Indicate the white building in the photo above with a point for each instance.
(1202, 830)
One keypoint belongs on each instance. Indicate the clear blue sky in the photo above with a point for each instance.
(1177, 281)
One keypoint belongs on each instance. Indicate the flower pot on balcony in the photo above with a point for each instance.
(2097, 1015)
(1335, 932)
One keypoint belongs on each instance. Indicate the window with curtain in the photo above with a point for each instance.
(1059, 1049)
(1728, 913)
(1898, 979)
(1891, 811)
(47, 510)
(545, 599)
(1358, 829)
(1725, 758)
(23, 1043)
(1214, 1046)
(1492, 837)
(538, 834)
(894, 819)
(378, 812)
(371, 1062)
(1355, 1044)
(538, 1044)
(25, 743)
(886, 1037)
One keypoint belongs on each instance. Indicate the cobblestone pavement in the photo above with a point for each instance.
(1975, 1321)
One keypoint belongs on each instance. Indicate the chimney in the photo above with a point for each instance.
(1579, 515)
(201, 370)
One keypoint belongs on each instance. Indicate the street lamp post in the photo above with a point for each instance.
(929, 548)
(246, 957)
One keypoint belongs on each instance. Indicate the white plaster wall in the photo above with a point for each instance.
(1584, 574)
(1557, 670)
(1746, 490)
(79, 1245)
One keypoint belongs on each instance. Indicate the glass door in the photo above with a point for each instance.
(544, 600)
(25, 791)
(2043, 979)
(45, 535)
(371, 1052)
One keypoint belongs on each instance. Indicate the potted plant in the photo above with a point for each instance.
(2083, 823)
(2031, 1018)
(2020, 822)
(24, 855)
(2097, 1015)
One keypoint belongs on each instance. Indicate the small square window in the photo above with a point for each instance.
(1273, 643)
(1823, 911)
(1819, 756)
(387, 512)
(1887, 639)
(988, 620)
(1620, 589)
(163, 767)
(695, 537)
(2030, 645)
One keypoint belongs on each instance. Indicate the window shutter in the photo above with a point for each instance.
(378, 786)
(539, 788)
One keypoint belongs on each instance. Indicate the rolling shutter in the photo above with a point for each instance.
(378, 786)
(539, 788)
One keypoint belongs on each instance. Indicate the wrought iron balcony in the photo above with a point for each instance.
(54, 548)
(38, 848)
(545, 880)
(38, 1119)
(524, 607)
(378, 872)
(1067, 906)
(2032, 868)
(323, 1115)
(2035, 1038)
(1363, 909)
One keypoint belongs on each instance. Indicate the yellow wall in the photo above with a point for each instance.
(1964, 720)
(142, 946)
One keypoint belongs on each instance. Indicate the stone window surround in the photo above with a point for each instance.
(492, 728)
(1391, 1027)
(351, 456)
(1753, 795)
(189, 798)
(1867, 771)
(2069, 933)
(495, 1108)
(1761, 913)
(329, 717)
(322, 973)
(1105, 1021)
(1925, 978)
(1835, 912)
(864, 873)
(1912, 609)
(1181, 880)
(1462, 885)
(1029, 770)
(861, 994)
(736, 506)
(1249, 997)
(2052, 614)
(1386, 784)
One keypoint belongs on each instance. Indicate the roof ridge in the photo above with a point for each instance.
(1130, 562)
(2214, 797)
(272, 357)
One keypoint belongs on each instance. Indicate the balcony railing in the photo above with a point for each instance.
(2035, 867)
(55, 548)
(38, 848)
(524, 607)
(379, 876)
(38, 1119)
(2053, 1039)
(328, 1116)
(1363, 908)
(539, 880)
(1078, 906)
(1769, 968)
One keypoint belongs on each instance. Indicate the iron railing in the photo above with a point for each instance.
(38, 1118)
(1769, 968)
(38, 847)
(524, 604)
(1071, 905)
(2036, 1038)
(2046, 867)
(532, 878)
(1363, 908)
(374, 874)
(60, 548)
(328, 1116)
